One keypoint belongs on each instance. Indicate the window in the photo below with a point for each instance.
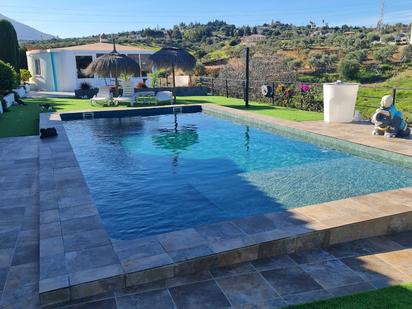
(83, 62)
(37, 67)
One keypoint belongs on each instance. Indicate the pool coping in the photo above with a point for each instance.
(78, 259)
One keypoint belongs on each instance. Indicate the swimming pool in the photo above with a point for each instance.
(155, 174)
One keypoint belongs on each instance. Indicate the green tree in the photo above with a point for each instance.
(322, 63)
(177, 34)
(384, 54)
(8, 77)
(23, 58)
(9, 47)
(348, 68)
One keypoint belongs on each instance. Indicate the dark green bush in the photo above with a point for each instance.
(348, 68)
(8, 77)
(9, 47)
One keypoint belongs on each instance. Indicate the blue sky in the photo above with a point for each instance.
(84, 17)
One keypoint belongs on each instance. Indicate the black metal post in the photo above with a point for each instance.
(394, 95)
(213, 87)
(227, 89)
(247, 78)
(273, 93)
(174, 85)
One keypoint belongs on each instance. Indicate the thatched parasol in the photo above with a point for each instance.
(113, 65)
(174, 58)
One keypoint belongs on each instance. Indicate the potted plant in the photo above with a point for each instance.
(25, 76)
(86, 91)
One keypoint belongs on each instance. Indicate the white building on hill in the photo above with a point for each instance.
(60, 69)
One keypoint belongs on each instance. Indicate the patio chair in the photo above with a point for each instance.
(102, 97)
(146, 97)
(128, 96)
(164, 97)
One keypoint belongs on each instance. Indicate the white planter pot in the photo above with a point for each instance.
(9, 99)
(339, 101)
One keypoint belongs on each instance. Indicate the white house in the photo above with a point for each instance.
(60, 69)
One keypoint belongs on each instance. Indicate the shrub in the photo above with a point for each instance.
(9, 47)
(295, 64)
(234, 42)
(407, 54)
(310, 97)
(85, 86)
(348, 68)
(25, 75)
(8, 77)
(384, 54)
(359, 55)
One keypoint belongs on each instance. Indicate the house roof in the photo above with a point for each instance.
(104, 47)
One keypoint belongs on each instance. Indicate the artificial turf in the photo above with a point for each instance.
(399, 297)
(23, 120)
(20, 120)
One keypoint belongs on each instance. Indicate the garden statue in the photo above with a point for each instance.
(388, 120)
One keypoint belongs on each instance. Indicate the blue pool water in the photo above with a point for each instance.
(150, 175)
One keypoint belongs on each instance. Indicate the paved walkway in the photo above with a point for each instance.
(277, 282)
(271, 283)
(19, 226)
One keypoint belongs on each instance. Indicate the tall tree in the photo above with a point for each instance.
(9, 47)
(23, 58)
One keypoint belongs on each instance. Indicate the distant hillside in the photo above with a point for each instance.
(27, 33)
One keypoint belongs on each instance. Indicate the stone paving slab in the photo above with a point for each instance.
(274, 282)
(19, 222)
(94, 264)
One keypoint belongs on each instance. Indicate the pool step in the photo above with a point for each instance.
(88, 115)
(177, 110)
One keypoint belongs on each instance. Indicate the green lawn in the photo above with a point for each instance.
(369, 98)
(258, 108)
(20, 121)
(399, 297)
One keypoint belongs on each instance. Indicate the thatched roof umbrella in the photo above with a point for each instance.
(174, 58)
(113, 65)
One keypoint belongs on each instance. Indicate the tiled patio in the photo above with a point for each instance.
(46, 191)
(277, 282)
(19, 222)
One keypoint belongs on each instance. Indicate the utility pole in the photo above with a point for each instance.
(381, 22)
(247, 78)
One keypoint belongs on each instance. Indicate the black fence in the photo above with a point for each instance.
(304, 96)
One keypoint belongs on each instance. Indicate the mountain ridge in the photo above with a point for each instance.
(27, 33)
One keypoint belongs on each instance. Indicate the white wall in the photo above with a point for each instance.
(66, 72)
(44, 81)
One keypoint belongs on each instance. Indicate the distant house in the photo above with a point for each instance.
(60, 69)
(254, 38)
(348, 33)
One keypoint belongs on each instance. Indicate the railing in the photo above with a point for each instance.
(306, 96)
